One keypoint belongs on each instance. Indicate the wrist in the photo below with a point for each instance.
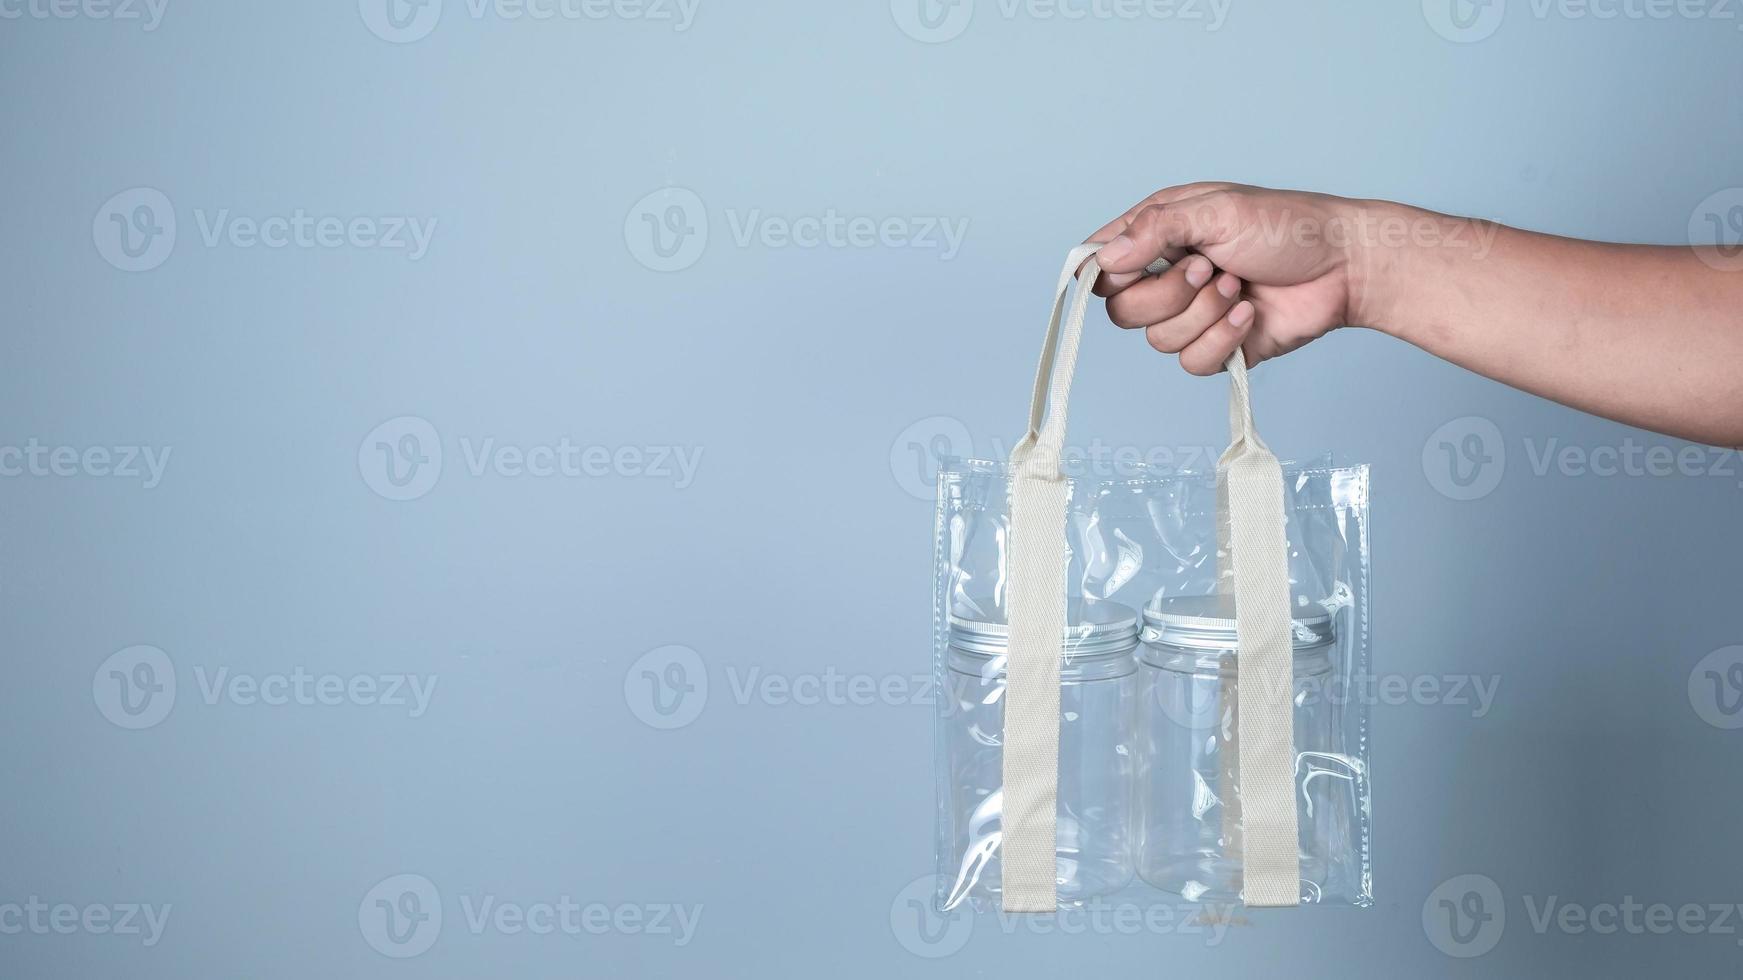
(1377, 264)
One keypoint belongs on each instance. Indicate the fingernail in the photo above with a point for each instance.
(1198, 270)
(1228, 285)
(1116, 250)
(1242, 314)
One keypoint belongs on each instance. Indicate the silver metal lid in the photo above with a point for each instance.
(1092, 627)
(1207, 622)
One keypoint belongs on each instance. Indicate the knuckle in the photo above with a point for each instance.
(1197, 368)
(1120, 312)
(1178, 223)
(1207, 307)
(1160, 340)
(1148, 225)
(1219, 214)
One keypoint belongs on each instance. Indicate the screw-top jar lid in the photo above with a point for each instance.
(1092, 627)
(1207, 622)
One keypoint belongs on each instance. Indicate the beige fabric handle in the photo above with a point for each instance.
(1250, 481)
(1035, 604)
(1036, 567)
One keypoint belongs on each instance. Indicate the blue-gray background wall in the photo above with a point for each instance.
(291, 396)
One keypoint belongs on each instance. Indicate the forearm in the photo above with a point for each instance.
(1646, 335)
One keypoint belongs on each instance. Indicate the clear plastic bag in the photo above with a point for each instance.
(1148, 779)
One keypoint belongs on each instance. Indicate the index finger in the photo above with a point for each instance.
(1111, 282)
(1167, 195)
(1164, 230)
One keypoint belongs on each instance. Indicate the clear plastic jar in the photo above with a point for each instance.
(1096, 831)
(1187, 765)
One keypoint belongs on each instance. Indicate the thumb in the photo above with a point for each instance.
(1168, 231)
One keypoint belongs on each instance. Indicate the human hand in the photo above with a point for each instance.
(1253, 268)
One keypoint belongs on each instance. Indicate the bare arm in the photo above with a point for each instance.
(1647, 335)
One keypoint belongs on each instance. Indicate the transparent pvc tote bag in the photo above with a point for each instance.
(1149, 684)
